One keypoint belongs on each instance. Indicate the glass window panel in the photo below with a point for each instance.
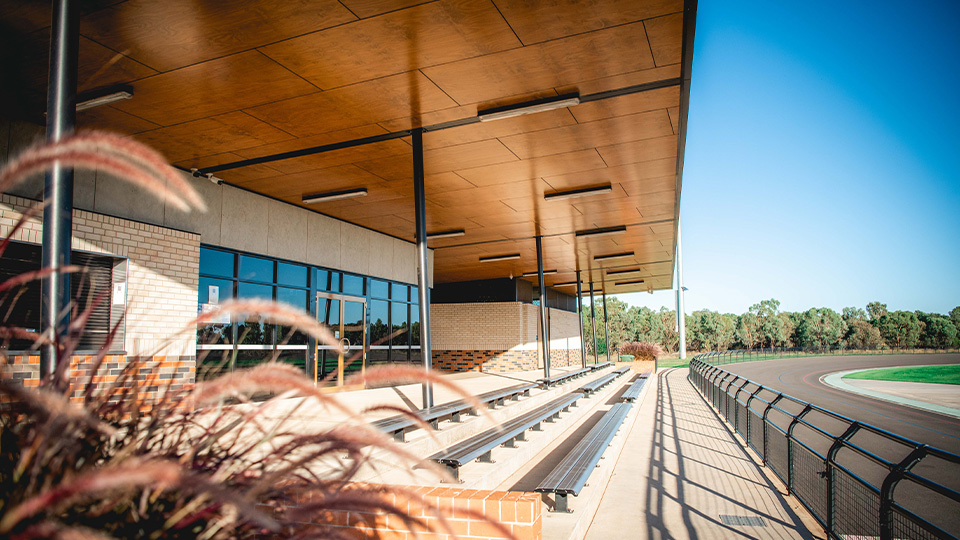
(298, 298)
(334, 281)
(379, 322)
(414, 325)
(352, 285)
(415, 295)
(400, 328)
(222, 289)
(378, 289)
(354, 324)
(398, 292)
(297, 357)
(255, 269)
(253, 330)
(249, 358)
(321, 279)
(216, 262)
(213, 363)
(291, 274)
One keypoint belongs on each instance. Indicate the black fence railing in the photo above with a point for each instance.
(857, 480)
(717, 358)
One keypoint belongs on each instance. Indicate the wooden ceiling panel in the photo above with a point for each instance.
(111, 119)
(623, 80)
(674, 113)
(345, 156)
(661, 98)
(589, 135)
(297, 185)
(446, 182)
(473, 195)
(97, 65)
(212, 88)
(658, 211)
(407, 94)
(567, 61)
(370, 8)
(542, 21)
(425, 35)
(211, 135)
(175, 33)
(666, 41)
(440, 160)
(517, 171)
(637, 151)
(501, 128)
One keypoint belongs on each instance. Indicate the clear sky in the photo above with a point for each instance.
(823, 157)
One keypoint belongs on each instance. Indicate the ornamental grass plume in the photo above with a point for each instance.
(81, 458)
(642, 350)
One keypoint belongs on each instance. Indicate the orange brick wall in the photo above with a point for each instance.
(518, 512)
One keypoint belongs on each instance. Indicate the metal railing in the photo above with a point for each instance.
(857, 480)
(717, 358)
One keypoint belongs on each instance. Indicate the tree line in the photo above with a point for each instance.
(764, 325)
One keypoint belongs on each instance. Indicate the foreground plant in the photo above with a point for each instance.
(80, 458)
(642, 350)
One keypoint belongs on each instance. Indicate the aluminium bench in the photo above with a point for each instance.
(399, 425)
(560, 379)
(600, 382)
(480, 446)
(633, 392)
(601, 365)
(571, 474)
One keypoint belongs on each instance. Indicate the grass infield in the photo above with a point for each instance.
(947, 374)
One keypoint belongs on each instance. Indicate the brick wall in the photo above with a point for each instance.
(519, 512)
(161, 275)
(486, 361)
(500, 337)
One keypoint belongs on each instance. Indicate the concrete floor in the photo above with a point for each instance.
(681, 469)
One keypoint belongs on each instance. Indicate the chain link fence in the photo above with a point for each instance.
(857, 480)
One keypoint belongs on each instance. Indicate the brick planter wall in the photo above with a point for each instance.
(154, 373)
(518, 511)
(486, 361)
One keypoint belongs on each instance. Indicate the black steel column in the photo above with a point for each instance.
(583, 344)
(606, 327)
(544, 333)
(424, 292)
(593, 321)
(58, 183)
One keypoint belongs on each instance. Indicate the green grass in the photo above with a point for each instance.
(673, 363)
(946, 374)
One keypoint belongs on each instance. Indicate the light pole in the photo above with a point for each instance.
(681, 323)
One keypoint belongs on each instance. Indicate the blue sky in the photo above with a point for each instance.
(823, 157)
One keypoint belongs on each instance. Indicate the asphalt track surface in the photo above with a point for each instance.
(801, 379)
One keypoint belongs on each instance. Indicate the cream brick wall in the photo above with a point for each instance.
(161, 272)
(498, 326)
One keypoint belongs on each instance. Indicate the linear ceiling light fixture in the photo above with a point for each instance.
(529, 107)
(603, 231)
(496, 258)
(334, 195)
(621, 272)
(579, 192)
(599, 258)
(445, 234)
(545, 272)
(104, 96)
(564, 284)
(631, 282)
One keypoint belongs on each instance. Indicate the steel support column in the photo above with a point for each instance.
(58, 183)
(681, 315)
(424, 288)
(583, 344)
(544, 324)
(593, 321)
(606, 327)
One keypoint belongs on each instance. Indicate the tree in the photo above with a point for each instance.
(875, 311)
(937, 331)
(900, 329)
(748, 330)
(771, 326)
(863, 335)
(822, 328)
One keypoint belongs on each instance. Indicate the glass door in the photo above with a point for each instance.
(346, 318)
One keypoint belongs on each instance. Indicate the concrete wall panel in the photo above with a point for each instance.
(245, 222)
(355, 245)
(323, 241)
(288, 231)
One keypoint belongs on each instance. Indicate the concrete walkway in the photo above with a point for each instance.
(681, 470)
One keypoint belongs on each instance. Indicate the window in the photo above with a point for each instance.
(90, 290)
